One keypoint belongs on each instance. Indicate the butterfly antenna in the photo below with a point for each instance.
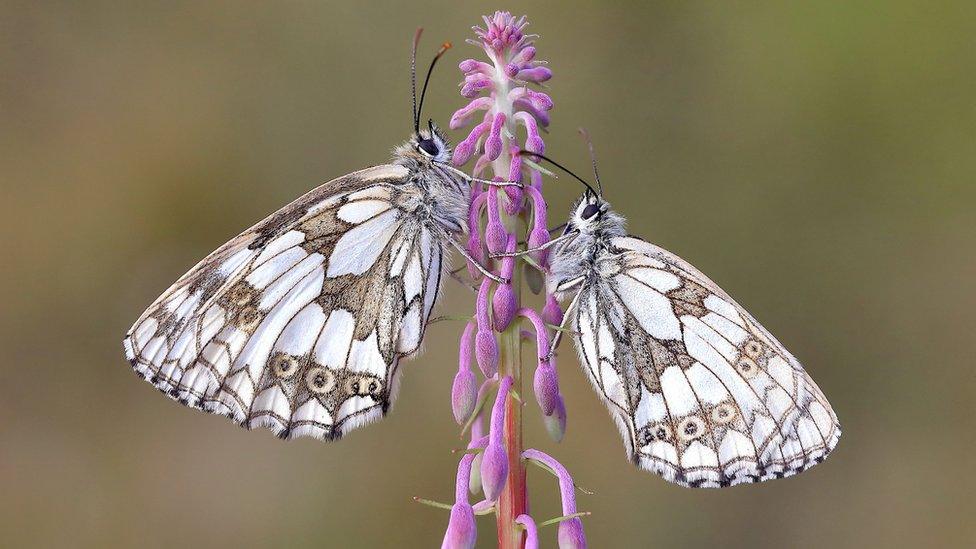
(589, 188)
(413, 78)
(589, 145)
(444, 47)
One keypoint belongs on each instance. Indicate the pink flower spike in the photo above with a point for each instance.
(494, 460)
(531, 532)
(485, 346)
(502, 31)
(570, 534)
(464, 392)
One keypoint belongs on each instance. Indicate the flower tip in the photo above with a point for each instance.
(494, 471)
(463, 151)
(538, 237)
(546, 385)
(556, 422)
(495, 236)
(486, 352)
(552, 313)
(462, 531)
(570, 534)
(464, 395)
(503, 306)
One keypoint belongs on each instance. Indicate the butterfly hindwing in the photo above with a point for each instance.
(298, 323)
(703, 394)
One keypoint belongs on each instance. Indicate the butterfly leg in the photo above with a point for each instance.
(566, 314)
(558, 228)
(477, 265)
(471, 179)
(455, 274)
(552, 242)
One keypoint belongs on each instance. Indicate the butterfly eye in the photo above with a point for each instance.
(428, 146)
(590, 210)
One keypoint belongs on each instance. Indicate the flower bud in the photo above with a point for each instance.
(546, 385)
(473, 65)
(462, 531)
(503, 306)
(531, 531)
(556, 422)
(538, 237)
(570, 534)
(494, 470)
(552, 313)
(477, 251)
(534, 74)
(486, 352)
(533, 142)
(496, 237)
(474, 87)
(493, 145)
(463, 115)
(464, 395)
(494, 460)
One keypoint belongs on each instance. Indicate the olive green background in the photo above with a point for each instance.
(815, 159)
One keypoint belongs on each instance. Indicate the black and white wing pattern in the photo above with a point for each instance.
(298, 323)
(702, 394)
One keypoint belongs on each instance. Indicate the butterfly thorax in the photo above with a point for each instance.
(444, 194)
(590, 252)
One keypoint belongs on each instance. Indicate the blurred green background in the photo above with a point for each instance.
(817, 161)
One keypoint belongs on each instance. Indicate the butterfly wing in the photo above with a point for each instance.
(298, 323)
(703, 395)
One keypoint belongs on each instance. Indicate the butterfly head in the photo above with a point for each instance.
(431, 144)
(592, 216)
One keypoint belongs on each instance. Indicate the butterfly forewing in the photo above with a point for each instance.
(703, 395)
(298, 323)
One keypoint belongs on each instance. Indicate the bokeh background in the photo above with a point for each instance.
(816, 160)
